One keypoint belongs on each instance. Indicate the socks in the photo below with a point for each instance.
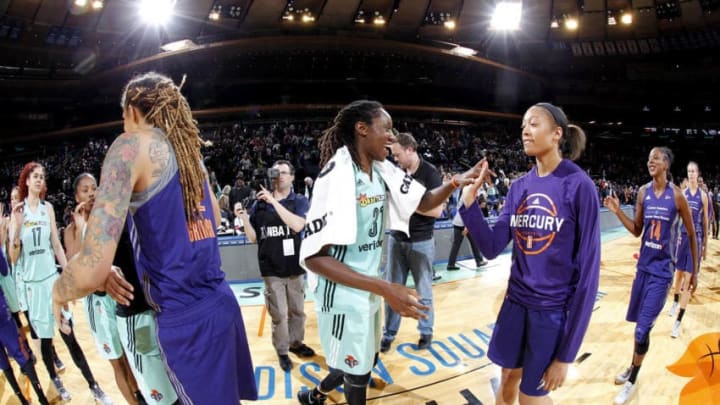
(634, 373)
(676, 297)
(681, 313)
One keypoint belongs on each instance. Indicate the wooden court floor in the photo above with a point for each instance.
(455, 369)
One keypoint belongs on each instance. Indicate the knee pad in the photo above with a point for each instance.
(642, 347)
(354, 380)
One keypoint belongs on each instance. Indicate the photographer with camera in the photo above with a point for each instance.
(275, 221)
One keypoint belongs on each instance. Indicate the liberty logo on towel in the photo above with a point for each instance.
(405, 187)
(327, 169)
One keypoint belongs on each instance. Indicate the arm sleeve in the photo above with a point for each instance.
(490, 241)
(587, 257)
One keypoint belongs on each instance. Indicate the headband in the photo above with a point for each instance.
(557, 115)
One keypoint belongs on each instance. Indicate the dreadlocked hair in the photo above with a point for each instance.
(342, 132)
(164, 107)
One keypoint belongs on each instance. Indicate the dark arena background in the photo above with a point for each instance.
(264, 79)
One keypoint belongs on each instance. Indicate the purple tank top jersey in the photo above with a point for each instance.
(695, 203)
(660, 219)
(178, 264)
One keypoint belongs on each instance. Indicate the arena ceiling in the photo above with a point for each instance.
(73, 57)
(44, 38)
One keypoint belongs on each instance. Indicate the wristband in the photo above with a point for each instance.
(453, 182)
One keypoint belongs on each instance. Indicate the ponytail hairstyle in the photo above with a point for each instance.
(572, 142)
(164, 107)
(22, 181)
(81, 176)
(342, 132)
(669, 157)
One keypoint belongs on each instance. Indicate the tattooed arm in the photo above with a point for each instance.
(88, 270)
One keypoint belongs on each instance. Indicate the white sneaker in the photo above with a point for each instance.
(64, 394)
(673, 309)
(100, 396)
(625, 393)
(622, 378)
(675, 330)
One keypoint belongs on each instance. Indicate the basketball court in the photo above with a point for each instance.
(455, 369)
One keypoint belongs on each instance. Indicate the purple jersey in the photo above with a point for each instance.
(555, 226)
(200, 328)
(9, 339)
(660, 222)
(696, 209)
(178, 264)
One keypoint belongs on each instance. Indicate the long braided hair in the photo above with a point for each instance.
(342, 132)
(164, 107)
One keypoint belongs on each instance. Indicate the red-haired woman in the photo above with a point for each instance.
(35, 244)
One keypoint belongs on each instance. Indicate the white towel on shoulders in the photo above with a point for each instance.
(332, 217)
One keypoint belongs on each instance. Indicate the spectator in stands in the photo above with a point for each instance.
(226, 215)
(238, 222)
(460, 233)
(240, 192)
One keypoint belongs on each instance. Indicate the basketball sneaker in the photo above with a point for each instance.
(307, 398)
(100, 396)
(64, 394)
(675, 330)
(623, 377)
(625, 393)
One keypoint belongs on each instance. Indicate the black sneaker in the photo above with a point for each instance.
(385, 344)
(285, 362)
(307, 398)
(452, 268)
(436, 276)
(482, 263)
(424, 341)
(303, 350)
